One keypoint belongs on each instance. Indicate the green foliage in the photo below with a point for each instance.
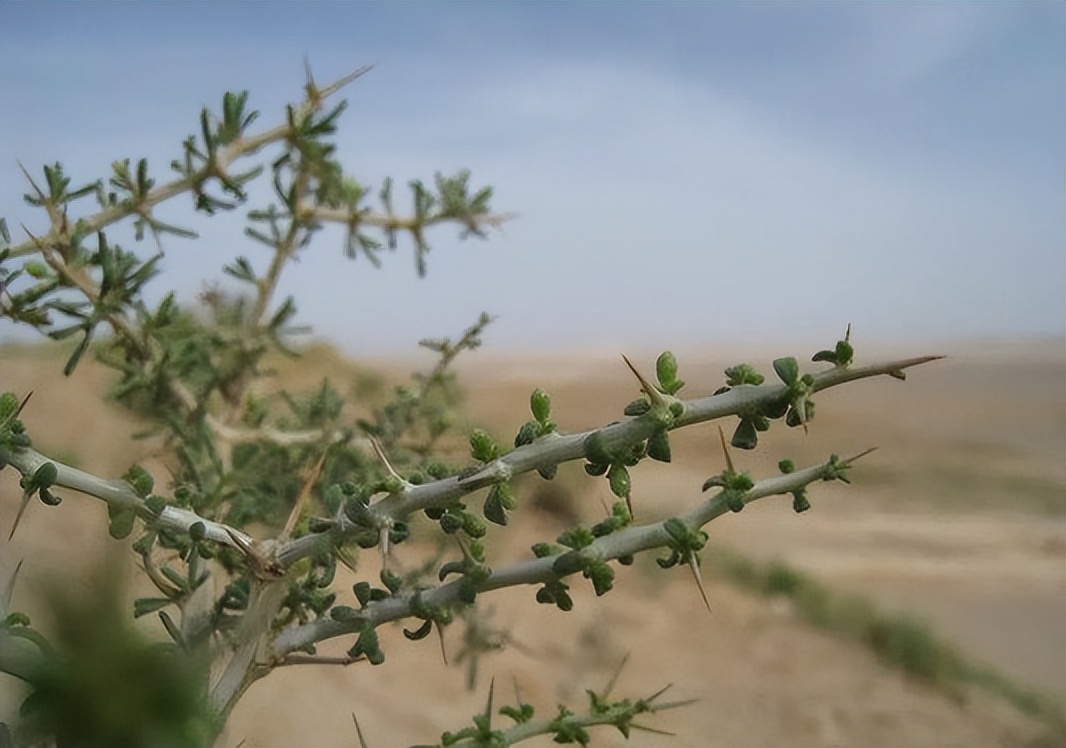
(101, 684)
(320, 475)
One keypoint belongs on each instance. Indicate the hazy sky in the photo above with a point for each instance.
(690, 173)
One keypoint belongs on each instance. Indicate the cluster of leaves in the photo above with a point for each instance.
(325, 483)
(566, 727)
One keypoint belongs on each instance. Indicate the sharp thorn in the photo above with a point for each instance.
(725, 450)
(694, 565)
(614, 676)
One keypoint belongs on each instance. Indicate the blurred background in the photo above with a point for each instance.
(734, 181)
(733, 171)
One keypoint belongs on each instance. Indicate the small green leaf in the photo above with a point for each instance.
(659, 446)
(540, 405)
(145, 605)
(787, 370)
(745, 436)
(618, 478)
(391, 580)
(743, 374)
(570, 563)
(666, 371)
(576, 538)
(596, 450)
(541, 550)
(493, 508)
(526, 434)
(120, 521)
(596, 469)
(637, 407)
(602, 576)
(45, 475)
(197, 531)
(420, 633)
(344, 614)
(482, 446)
(362, 592)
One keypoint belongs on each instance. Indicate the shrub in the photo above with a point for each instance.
(327, 485)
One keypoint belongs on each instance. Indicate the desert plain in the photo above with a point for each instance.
(956, 520)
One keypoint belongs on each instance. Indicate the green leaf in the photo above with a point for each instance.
(197, 531)
(570, 563)
(362, 592)
(420, 633)
(145, 605)
(155, 504)
(596, 468)
(666, 370)
(367, 645)
(743, 374)
(618, 478)
(482, 446)
(120, 521)
(540, 405)
(637, 407)
(345, 614)
(787, 370)
(140, 480)
(493, 508)
(596, 450)
(659, 446)
(179, 581)
(745, 436)
(602, 576)
(526, 434)
(44, 476)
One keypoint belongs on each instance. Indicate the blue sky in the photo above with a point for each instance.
(685, 174)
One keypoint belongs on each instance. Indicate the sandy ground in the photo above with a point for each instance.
(957, 518)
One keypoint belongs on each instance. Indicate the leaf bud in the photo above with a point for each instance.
(542, 550)
(540, 405)
(473, 525)
(197, 531)
(482, 447)
(602, 576)
(743, 374)
(526, 434)
(637, 407)
(391, 580)
(596, 469)
(140, 480)
(345, 614)
(666, 371)
(451, 523)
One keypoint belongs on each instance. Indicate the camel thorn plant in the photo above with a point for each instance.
(234, 607)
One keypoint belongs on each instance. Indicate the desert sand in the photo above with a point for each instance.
(957, 518)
